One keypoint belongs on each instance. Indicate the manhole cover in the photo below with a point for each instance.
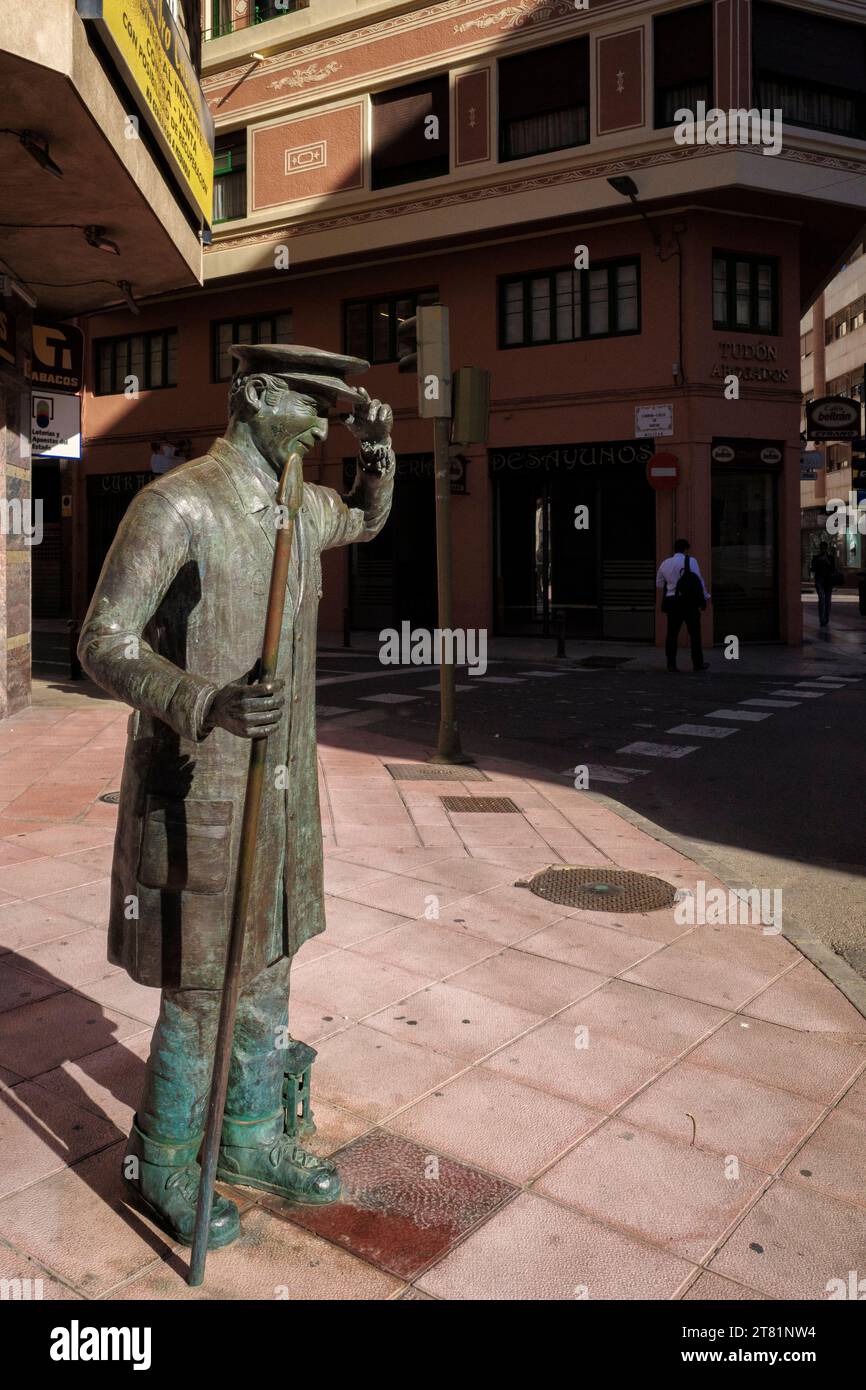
(600, 890)
(113, 798)
(490, 804)
(435, 772)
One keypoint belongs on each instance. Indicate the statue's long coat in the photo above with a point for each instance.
(178, 612)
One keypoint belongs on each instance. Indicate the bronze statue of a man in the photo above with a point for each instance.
(175, 630)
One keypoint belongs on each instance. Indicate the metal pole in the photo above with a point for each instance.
(448, 748)
(244, 880)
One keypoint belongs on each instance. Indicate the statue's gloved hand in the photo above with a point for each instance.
(371, 423)
(247, 708)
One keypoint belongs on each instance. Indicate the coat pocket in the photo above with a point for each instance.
(185, 845)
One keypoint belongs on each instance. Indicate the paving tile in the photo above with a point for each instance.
(813, 1065)
(590, 947)
(334, 1127)
(426, 948)
(41, 1133)
(528, 982)
(711, 1288)
(350, 984)
(472, 875)
(652, 926)
(855, 1097)
(732, 1115)
(125, 994)
(35, 877)
(401, 894)
(402, 1206)
(340, 874)
(533, 1250)
(271, 1259)
(349, 922)
(834, 1159)
(89, 903)
(76, 959)
(19, 987)
(42, 1285)
(372, 1075)
(502, 923)
(37, 1037)
(496, 1123)
(662, 1022)
(686, 969)
(448, 1019)
(312, 1022)
(24, 924)
(793, 1243)
(804, 998)
(674, 1195)
(108, 1083)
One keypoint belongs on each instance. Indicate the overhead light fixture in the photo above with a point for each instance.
(126, 290)
(95, 236)
(37, 147)
(624, 186)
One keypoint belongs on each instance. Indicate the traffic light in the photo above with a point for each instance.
(423, 347)
(470, 424)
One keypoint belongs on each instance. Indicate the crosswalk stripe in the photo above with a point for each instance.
(659, 750)
(822, 685)
(702, 730)
(801, 694)
(773, 704)
(747, 714)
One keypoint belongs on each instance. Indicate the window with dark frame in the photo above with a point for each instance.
(745, 292)
(682, 61)
(564, 305)
(230, 176)
(370, 325)
(544, 100)
(811, 67)
(410, 133)
(259, 328)
(151, 358)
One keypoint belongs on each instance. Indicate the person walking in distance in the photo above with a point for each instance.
(684, 597)
(826, 575)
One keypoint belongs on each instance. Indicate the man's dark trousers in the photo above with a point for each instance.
(679, 613)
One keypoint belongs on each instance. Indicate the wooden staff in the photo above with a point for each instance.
(246, 866)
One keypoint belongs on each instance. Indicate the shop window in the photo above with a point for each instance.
(682, 61)
(370, 325)
(410, 133)
(566, 305)
(811, 68)
(230, 177)
(149, 358)
(544, 100)
(264, 328)
(745, 293)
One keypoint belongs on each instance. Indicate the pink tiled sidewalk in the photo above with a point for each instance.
(526, 1101)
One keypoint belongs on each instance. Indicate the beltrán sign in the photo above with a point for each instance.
(833, 417)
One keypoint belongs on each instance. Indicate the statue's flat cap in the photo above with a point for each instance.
(302, 367)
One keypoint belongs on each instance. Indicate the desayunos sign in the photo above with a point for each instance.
(833, 417)
(145, 43)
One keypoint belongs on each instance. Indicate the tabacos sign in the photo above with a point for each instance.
(833, 417)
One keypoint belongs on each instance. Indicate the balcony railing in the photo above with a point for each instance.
(224, 22)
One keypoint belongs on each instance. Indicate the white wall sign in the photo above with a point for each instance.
(653, 421)
(55, 424)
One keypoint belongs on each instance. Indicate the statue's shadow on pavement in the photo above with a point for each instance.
(51, 1107)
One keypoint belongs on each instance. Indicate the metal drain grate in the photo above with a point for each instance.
(435, 772)
(600, 890)
(489, 804)
(113, 798)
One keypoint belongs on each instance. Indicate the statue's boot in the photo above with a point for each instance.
(165, 1177)
(259, 1153)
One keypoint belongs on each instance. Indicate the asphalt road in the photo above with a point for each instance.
(778, 803)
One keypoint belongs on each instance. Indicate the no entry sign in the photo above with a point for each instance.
(663, 472)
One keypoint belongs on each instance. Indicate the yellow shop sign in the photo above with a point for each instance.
(146, 46)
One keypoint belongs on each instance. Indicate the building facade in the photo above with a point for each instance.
(103, 201)
(632, 291)
(833, 347)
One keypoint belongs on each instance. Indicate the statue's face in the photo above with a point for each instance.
(296, 421)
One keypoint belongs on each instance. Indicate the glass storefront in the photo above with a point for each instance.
(745, 581)
(574, 540)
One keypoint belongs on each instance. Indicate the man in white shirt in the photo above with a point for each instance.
(684, 596)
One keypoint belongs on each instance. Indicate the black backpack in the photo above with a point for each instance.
(689, 591)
